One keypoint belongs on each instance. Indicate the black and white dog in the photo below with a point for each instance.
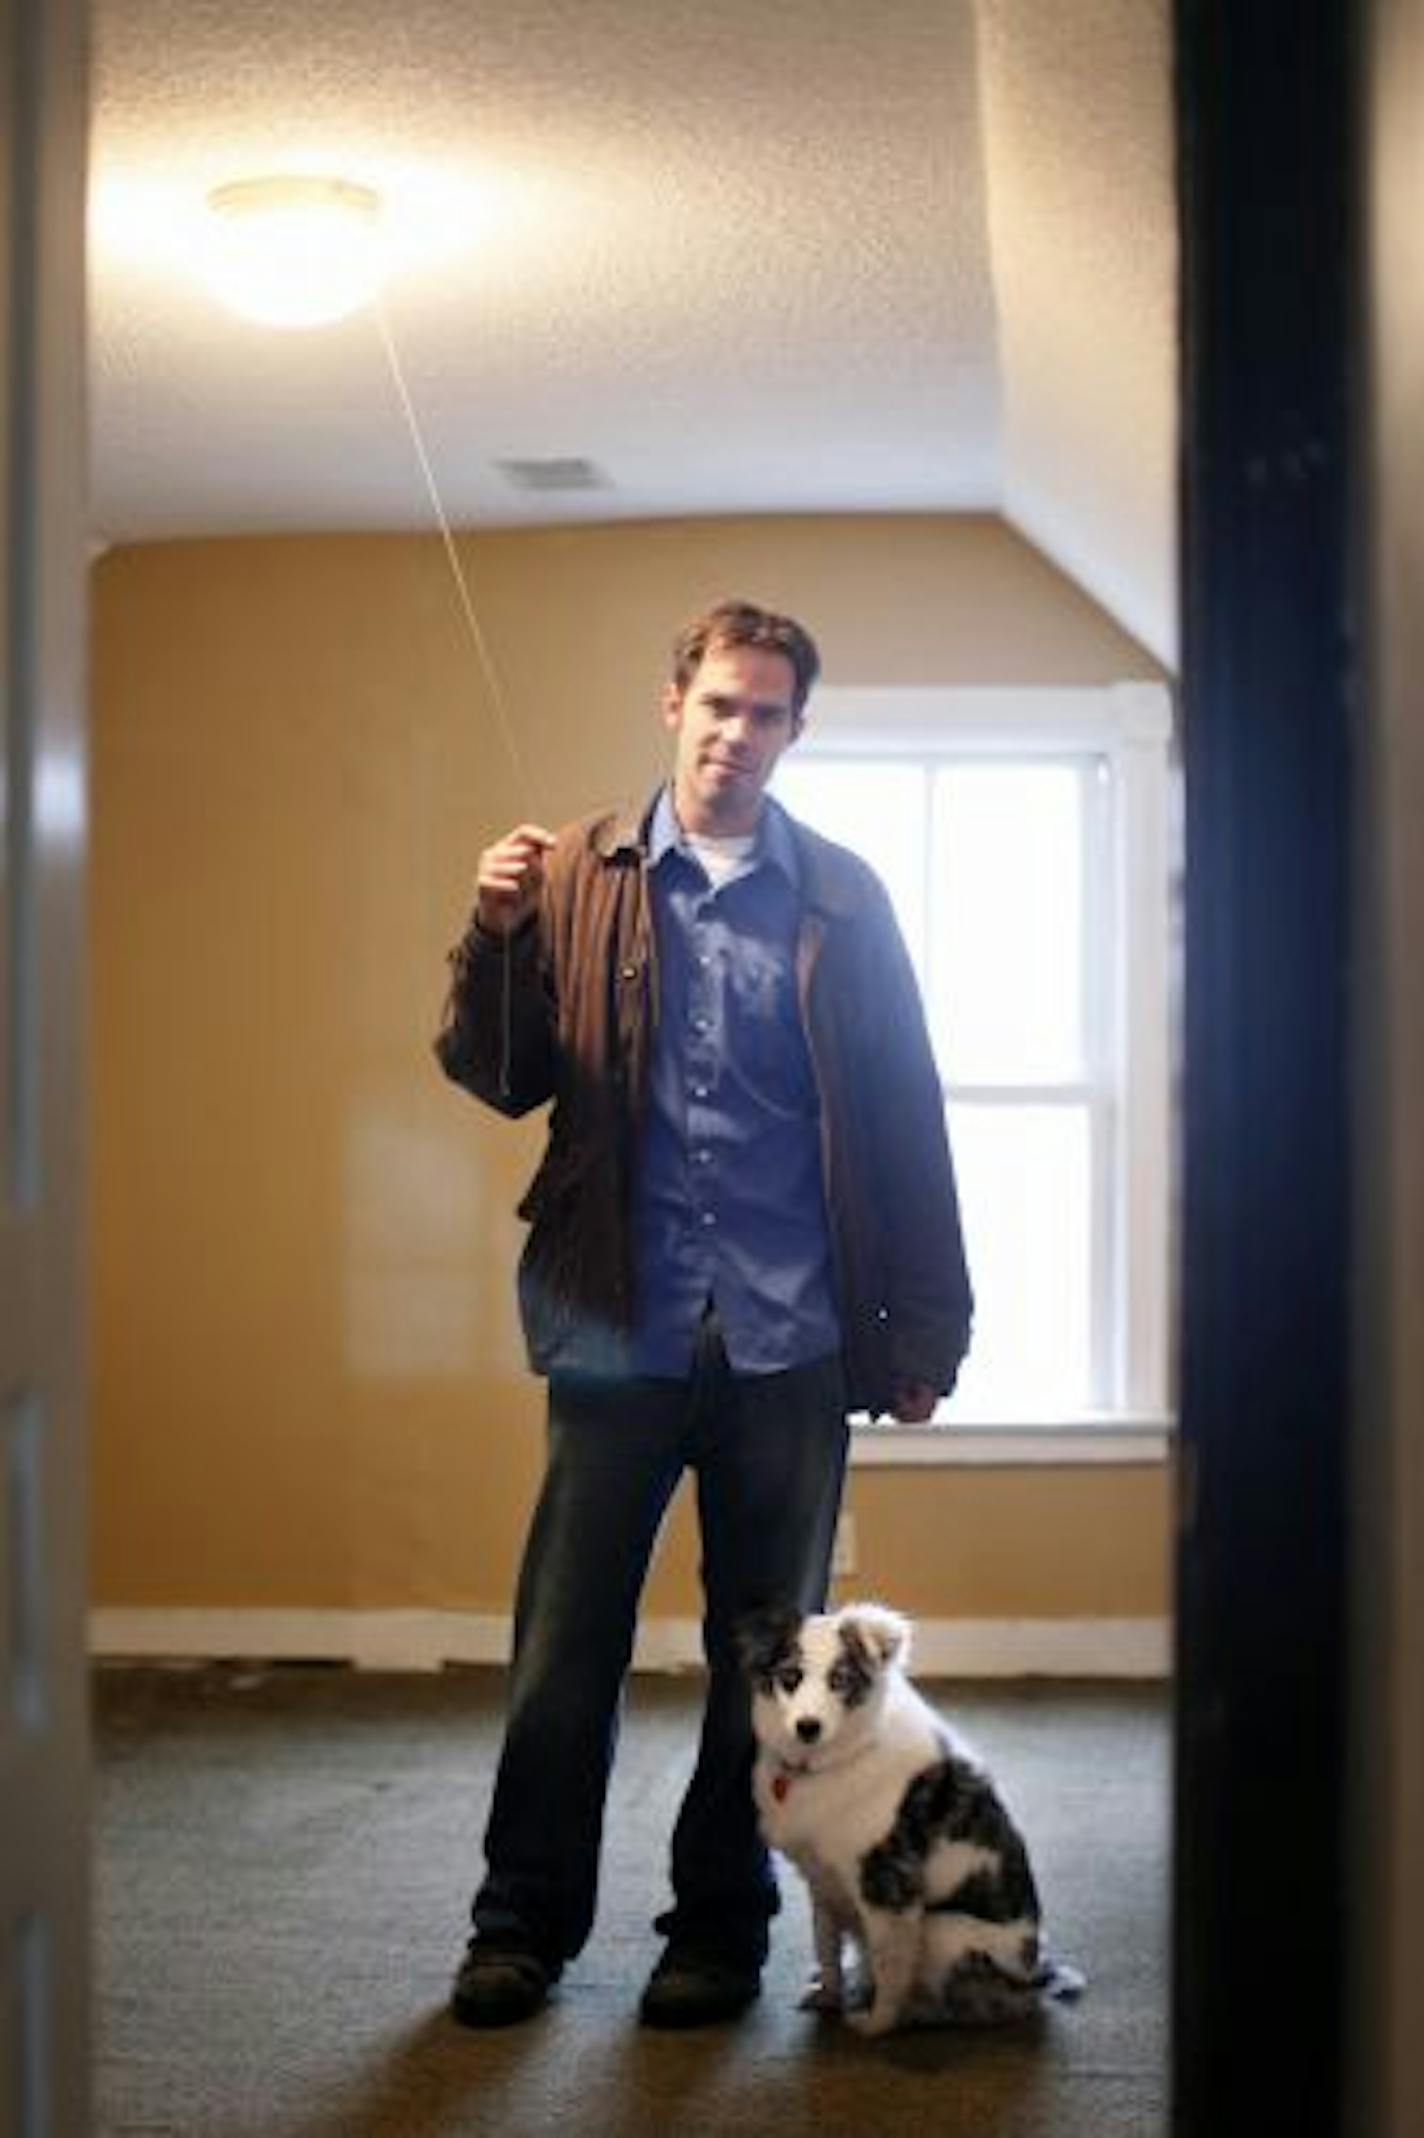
(909, 1853)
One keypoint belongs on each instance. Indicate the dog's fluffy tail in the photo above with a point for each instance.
(976, 1993)
(1060, 1980)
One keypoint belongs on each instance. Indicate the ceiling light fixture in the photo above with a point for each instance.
(294, 252)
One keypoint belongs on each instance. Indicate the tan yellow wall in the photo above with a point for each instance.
(308, 1384)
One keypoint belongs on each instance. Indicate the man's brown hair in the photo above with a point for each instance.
(742, 623)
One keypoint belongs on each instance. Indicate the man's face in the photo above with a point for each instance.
(732, 723)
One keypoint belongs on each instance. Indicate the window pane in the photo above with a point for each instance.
(877, 809)
(1006, 974)
(1024, 1184)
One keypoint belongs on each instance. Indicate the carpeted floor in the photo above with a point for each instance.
(285, 1858)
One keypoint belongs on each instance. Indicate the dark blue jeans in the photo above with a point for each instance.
(768, 1452)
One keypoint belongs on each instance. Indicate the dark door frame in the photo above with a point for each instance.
(1269, 211)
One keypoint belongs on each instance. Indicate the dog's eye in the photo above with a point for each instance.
(789, 1678)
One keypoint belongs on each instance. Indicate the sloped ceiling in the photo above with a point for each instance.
(738, 258)
(1079, 159)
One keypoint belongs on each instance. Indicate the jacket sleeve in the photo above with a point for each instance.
(930, 1299)
(497, 1035)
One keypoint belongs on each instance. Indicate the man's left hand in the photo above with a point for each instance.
(914, 1402)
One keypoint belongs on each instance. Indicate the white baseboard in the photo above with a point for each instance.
(426, 1640)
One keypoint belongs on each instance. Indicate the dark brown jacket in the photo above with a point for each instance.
(565, 1012)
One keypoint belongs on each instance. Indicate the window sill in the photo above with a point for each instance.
(1056, 1444)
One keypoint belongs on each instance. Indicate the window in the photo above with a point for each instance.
(1022, 837)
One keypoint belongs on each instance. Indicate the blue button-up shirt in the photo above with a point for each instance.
(730, 1203)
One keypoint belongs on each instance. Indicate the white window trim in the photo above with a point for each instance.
(1055, 1443)
(1130, 724)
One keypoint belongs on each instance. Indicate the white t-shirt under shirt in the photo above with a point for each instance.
(724, 859)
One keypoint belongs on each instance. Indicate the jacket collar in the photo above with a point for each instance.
(622, 835)
(832, 881)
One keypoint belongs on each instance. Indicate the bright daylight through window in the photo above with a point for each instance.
(1023, 840)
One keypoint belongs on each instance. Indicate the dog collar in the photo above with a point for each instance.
(783, 1778)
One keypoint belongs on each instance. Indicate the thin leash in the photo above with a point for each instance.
(452, 554)
(483, 658)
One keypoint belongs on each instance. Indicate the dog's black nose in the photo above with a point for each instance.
(808, 1729)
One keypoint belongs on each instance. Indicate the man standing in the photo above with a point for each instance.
(744, 1226)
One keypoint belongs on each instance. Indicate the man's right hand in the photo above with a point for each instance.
(511, 875)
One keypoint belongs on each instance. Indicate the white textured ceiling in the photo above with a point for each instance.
(741, 257)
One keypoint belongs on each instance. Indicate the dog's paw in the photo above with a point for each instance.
(821, 1996)
(873, 2019)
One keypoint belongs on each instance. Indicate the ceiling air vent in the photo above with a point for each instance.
(564, 473)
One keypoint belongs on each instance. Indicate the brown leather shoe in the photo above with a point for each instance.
(499, 1985)
(691, 1987)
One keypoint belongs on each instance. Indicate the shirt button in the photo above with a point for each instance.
(702, 1158)
(699, 1091)
(709, 1217)
(701, 1024)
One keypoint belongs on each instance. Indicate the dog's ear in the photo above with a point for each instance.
(765, 1636)
(881, 1632)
